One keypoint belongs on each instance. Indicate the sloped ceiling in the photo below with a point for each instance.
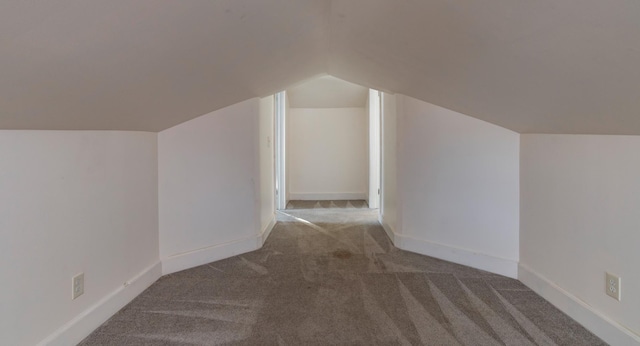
(548, 66)
(530, 66)
(149, 64)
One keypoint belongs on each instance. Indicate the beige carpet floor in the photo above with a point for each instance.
(328, 275)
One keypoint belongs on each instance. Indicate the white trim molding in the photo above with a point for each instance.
(209, 254)
(389, 231)
(474, 259)
(599, 324)
(216, 252)
(310, 196)
(267, 230)
(87, 321)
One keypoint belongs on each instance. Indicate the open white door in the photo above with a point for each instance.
(374, 149)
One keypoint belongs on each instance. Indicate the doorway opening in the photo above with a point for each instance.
(327, 143)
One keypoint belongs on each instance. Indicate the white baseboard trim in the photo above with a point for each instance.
(87, 321)
(599, 324)
(466, 257)
(389, 230)
(267, 230)
(211, 253)
(303, 196)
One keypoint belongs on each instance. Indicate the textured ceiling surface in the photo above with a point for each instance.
(530, 66)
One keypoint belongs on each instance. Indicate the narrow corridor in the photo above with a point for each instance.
(328, 274)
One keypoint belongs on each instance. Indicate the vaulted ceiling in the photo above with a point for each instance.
(531, 66)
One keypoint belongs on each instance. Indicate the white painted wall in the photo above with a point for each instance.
(459, 182)
(327, 92)
(388, 202)
(73, 202)
(267, 165)
(579, 218)
(327, 153)
(209, 187)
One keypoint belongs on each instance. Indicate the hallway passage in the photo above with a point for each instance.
(327, 275)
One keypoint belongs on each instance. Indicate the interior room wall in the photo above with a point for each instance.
(327, 153)
(388, 202)
(459, 182)
(208, 187)
(74, 201)
(267, 165)
(580, 219)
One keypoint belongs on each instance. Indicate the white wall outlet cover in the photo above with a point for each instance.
(612, 286)
(77, 286)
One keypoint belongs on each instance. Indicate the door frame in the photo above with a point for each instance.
(280, 100)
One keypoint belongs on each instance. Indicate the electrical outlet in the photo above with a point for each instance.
(77, 286)
(612, 286)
